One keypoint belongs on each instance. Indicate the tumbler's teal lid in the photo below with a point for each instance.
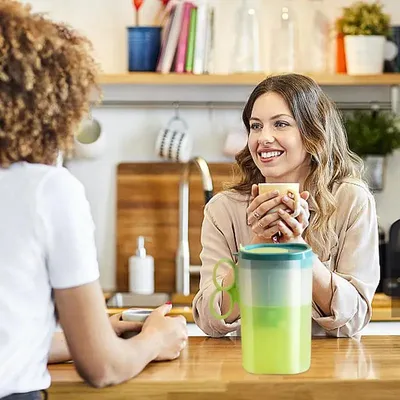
(276, 251)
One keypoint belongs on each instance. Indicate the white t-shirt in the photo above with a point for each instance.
(46, 242)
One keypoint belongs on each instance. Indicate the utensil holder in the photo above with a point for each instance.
(144, 43)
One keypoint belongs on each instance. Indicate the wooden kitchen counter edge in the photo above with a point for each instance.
(367, 368)
(380, 314)
(384, 308)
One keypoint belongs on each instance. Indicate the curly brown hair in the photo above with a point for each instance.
(324, 138)
(46, 77)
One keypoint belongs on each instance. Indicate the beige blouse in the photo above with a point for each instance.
(353, 261)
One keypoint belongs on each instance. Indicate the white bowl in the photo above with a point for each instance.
(138, 314)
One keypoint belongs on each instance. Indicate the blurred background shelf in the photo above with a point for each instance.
(153, 78)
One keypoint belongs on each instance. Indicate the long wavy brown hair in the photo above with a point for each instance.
(46, 77)
(324, 138)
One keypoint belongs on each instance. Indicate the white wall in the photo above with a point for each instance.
(131, 132)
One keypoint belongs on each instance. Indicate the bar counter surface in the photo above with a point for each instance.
(211, 369)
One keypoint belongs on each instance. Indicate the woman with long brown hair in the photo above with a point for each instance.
(295, 134)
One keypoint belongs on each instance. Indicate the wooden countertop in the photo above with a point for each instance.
(384, 308)
(211, 369)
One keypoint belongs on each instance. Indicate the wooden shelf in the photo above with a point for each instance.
(152, 78)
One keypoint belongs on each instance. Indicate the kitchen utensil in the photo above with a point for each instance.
(162, 12)
(137, 4)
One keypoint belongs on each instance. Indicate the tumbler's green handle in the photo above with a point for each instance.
(231, 290)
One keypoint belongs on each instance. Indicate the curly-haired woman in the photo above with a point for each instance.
(295, 134)
(47, 249)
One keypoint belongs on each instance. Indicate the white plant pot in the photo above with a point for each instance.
(365, 54)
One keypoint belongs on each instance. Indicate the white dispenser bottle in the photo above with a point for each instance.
(141, 270)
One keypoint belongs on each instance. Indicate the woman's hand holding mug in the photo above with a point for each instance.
(274, 217)
(264, 223)
(291, 229)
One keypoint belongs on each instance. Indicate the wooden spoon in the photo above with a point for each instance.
(162, 13)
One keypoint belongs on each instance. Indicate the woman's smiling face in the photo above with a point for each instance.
(275, 141)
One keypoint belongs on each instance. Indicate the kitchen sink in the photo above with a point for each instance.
(127, 300)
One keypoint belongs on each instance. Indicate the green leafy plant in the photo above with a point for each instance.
(372, 133)
(364, 19)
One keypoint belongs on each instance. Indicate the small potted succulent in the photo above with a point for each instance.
(373, 135)
(365, 28)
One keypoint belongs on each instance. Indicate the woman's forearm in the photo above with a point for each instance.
(321, 284)
(59, 351)
(322, 288)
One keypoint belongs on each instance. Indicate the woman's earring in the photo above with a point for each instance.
(314, 160)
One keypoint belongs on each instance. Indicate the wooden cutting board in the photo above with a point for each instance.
(148, 205)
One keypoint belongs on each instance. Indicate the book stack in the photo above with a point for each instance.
(187, 41)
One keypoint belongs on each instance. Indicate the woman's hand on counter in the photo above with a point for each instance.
(100, 356)
(173, 341)
(170, 333)
(121, 327)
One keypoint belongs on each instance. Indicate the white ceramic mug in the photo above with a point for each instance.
(90, 139)
(136, 315)
(173, 142)
(235, 141)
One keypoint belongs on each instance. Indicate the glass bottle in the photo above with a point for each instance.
(246, 51)
(283, 44)
(315, 55)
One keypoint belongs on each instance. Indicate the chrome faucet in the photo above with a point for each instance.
(183, 267)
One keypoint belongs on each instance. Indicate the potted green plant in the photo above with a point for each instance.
(373, 135)
(365, 28)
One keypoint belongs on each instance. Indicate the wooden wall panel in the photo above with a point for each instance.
(148, 205)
